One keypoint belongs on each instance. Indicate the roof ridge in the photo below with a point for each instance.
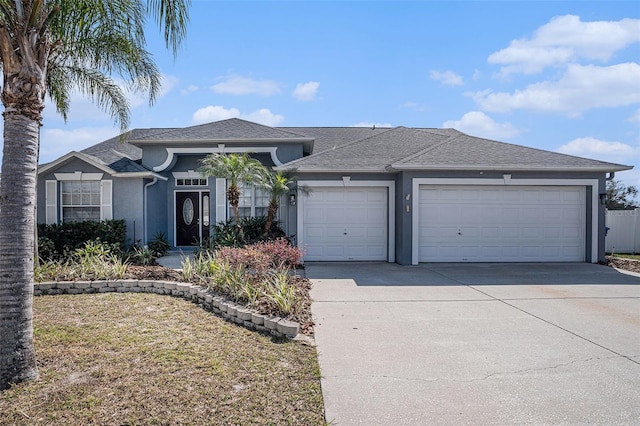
(388, 129)
(427, 149)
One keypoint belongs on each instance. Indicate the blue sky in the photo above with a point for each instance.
(560, 76)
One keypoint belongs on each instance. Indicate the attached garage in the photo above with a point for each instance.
(475, 223)
(345, 223)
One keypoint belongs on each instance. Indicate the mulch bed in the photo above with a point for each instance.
(622, 263)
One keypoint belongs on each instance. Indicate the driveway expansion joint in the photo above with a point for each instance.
(556, 325)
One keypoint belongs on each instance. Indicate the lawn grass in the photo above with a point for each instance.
(626, 256)
(140, 359)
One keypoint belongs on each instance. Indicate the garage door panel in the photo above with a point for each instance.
(354, 220)
(501, 223)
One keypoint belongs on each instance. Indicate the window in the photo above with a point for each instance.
(254, 201)
(80, 200)
(191, 182)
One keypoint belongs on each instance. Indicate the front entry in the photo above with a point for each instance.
(192, 217)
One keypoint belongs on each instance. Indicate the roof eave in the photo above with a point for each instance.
(507, 167)
(78, 155)
(223, 140)
(284, 168)
(140, 175)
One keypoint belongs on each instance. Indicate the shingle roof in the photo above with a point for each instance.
(402, 148)
(333, 137)
(462, 151)
(350, 149)
(231, 129)
(374, 153)
(118, 154)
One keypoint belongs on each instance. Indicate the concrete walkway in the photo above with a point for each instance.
(174, 259)
(477, 343)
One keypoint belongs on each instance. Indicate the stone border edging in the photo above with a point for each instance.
(218, 305)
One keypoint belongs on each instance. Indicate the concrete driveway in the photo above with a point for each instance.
(477, 343)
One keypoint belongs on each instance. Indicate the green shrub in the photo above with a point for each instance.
(159, 245)
(56, 242)
(227, 234)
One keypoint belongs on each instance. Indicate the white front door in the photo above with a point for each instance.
(460, 223)
(345, 223)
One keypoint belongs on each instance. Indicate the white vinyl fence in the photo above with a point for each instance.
(624, 231)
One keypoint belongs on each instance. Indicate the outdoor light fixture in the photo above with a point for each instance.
(292, 199)
(603, 199)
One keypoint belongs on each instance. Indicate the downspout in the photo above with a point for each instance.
(611, 176)
(144, 203)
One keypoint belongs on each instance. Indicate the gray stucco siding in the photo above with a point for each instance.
(156, 220)
(156, 155)
(128, 204)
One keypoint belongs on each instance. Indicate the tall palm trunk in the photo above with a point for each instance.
(17, 240)
(24, 59)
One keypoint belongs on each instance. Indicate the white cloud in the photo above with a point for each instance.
(189, 89)
(590, 147)
(214, 113)
(370, 124)
(476, 74)
(477, 123)
(237, 85)
(217, 113)
(580, 88)
(448, 78)
(55, 143)
(306, 91)
(635, 117)
(264, 116)
(566, 39)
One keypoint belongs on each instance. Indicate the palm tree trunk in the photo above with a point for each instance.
(271, 214)
(17, 239)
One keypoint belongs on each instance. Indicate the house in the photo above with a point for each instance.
(404, 195)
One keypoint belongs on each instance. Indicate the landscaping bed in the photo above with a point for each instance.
(632, 265)
(261, 276)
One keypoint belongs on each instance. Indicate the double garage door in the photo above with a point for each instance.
(456, 223)
(501, 224)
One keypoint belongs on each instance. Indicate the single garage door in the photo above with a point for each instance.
(501, 224)
(345, 224)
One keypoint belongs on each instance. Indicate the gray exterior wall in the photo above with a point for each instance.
(156, 218)
(154, 155)
(128, 200)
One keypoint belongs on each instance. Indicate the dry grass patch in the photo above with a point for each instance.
(138, 359)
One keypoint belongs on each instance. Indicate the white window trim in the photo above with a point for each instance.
(51, 202)
(80, 176)
(505, 181)
(347, 182)
(221, 200)
(106, 197)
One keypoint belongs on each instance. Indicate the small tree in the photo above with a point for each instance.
(236, 169)
(279, 184)
(621, 197)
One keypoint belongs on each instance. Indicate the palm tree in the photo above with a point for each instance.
(279, 184)
(236, 169)
(53, 47)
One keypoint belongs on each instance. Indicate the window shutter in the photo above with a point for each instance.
(51, 202)
(106, 204)
(221, 200)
